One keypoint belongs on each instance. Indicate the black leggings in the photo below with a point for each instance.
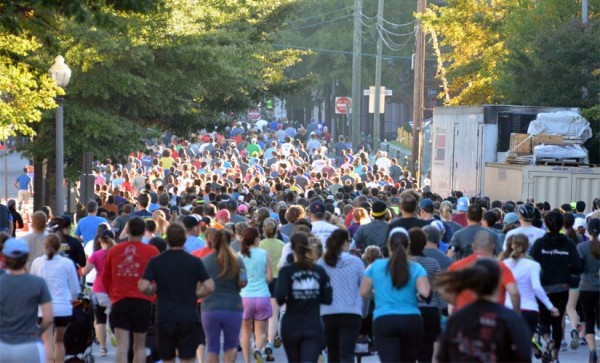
(302, 345)
(590, 304)
(398, 337)
(431, 330)
(341, 331)
(547, 321)
(532, 318)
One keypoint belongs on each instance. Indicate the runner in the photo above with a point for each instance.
(21, 296)
(256, 295)
(342, 318)
(302, 286)
(24, 185)
(86, 226)
(491, 332)
(130, 312)
(397, 322)
(63, 284)
(177, 279)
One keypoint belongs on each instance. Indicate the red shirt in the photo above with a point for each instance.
(467, 296)
(124, 267)
(461, 219)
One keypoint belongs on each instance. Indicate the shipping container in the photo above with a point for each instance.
(464, 138)
(553, 184)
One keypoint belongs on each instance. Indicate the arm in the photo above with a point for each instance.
(88, 267)
(146, 287)
(326, 292)
(205, 288)
(269, 270)
(366, 288)
(47, 318)
(515, 297)
(281, 289)
(80, 255)
(539, 292)
(423, 287)
(73, 280)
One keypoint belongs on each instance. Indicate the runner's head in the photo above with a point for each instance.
(176, 235)
(136, 227)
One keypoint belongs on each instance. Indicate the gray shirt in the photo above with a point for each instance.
(463, 239)
(590, 281)
(226, 296)
(20, 296)
(439, 256)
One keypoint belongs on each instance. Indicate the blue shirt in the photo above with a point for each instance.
(256, 271)
(388, 299)
(193, 243)
(23, 180)
(87, 227)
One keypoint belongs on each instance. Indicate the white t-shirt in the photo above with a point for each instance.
(61, 277)
(91, 276)
(527, 275)
(323, 230)
(532, 233)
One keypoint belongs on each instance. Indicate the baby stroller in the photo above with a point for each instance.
(79, 336)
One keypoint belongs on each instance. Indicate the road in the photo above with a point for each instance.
(566, 355)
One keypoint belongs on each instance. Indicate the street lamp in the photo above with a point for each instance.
(61, 74)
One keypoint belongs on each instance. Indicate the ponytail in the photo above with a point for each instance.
(334, 244)
(226, 260)
(302, 251)
(52, 245)
(249, 235)
(520, 244)
(398, 262)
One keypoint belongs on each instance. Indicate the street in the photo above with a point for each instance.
(11, 167)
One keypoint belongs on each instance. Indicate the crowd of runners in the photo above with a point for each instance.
(256, 240)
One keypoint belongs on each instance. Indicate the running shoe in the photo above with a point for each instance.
(258, 356)
(582, 341)
(269, 353)
(574, 339)
(593, 357)
(548, 354)
(536, 347)
(103, 352)
(277, 342)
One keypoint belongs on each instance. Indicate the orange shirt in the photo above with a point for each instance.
(467, 296)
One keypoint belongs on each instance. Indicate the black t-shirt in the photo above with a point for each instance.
(73, 249)
(407, 223)
(303, 292)
(176, 274)
(485, 332)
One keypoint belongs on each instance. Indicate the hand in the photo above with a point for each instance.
(554, 312)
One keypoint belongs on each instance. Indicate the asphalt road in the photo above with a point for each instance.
(566, 355)
(10, 168)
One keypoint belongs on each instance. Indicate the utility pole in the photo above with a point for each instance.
(356, 73)
(376, 110)
(419, 83)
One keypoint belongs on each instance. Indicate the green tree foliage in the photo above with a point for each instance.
(469, 43)
(551, 56)
(179, 65)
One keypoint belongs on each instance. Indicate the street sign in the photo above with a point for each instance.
(366, 92)
(382, 93)
(254, 114)
(343, 105)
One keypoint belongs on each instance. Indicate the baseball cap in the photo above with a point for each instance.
(425, 202)
(527, 212)
(15, 248)
(223, 214)
(510, 218)
(594, 226)
(462, 204)
(439, 225)
(191, 221)
(242, 208)
(10, 203)
(579, 222)
(317, 208)
(206, 220)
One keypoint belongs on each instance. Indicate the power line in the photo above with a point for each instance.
(319, 15)
(397, 34)
(337, 51)
(391, 44)
(317, 24)
(397, 25)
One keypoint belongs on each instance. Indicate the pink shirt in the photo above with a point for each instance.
(97, 259)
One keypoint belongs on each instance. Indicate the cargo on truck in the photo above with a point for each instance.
(465, 138)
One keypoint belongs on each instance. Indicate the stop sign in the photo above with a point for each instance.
(343, 105)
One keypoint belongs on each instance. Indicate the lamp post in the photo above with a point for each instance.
(61, 74)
